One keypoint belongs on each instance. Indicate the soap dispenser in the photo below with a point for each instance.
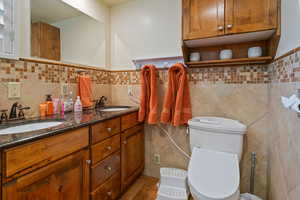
(49, 103)
(78, 105)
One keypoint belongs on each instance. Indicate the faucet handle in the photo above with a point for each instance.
(21, 111)
(4, 115)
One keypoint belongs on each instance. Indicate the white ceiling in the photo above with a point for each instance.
(51, 11)
(113, 2)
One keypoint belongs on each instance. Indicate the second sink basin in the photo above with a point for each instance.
(29, 127)
(114, 108)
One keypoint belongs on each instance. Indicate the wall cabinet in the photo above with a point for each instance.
(201, 19)
(45, 41)
(210, 18)
(66, 179)
(210, 26)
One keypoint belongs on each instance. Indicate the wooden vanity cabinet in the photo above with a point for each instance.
(117, 154)
(106, 160)
(56, 167)
(211, 18)
(66, 179)
(132, 152)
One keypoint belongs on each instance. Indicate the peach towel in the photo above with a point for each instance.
(148, 98)
(85, 90)
(177, 108)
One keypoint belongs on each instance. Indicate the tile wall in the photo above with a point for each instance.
(284, 137)
(250, 94)
(38, 79)
(235, 92)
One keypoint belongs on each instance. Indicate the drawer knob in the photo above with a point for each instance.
(108, 168)
(109, 193)
(229, 26)
(124, 142)
(220, 28)
(109, 148)
(109, 129)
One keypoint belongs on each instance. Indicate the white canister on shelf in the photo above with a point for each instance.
(254, 52)
(226, 54)
(195, 57)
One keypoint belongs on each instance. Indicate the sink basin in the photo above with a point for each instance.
(114, 109)
(29, 127)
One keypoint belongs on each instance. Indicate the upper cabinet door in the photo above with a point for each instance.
(202, 18)
(250, 15)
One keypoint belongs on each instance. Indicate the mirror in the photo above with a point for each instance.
(62, 33)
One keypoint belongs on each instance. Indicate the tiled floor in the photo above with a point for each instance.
(143, 189)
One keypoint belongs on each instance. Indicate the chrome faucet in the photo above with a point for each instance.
(13, 111)
(101, 102)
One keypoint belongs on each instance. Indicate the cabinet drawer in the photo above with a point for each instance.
(105, 129)
(105, 169)
(129, 121)
(105, 148)
(25, 158)
(109, 190)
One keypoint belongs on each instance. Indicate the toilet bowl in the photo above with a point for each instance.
(213, 175)
(216, 144)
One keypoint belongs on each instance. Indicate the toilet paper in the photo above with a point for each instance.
(292, 103)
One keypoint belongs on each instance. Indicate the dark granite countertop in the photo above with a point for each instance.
(70, 121)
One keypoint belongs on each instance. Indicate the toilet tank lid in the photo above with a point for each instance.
(218, 124)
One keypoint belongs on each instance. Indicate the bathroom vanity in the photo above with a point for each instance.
(93, 156)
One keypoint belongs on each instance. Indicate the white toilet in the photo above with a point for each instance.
(217, 144)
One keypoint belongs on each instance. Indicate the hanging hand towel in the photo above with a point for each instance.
(148, 99)
(85, 91)
(177, 104)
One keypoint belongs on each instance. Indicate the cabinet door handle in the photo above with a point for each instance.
(109, 193)
(109, 148)
(109, 129)
(125, 142)
(220, 28)
(229, 26)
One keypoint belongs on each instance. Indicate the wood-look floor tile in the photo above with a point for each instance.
(145, 188)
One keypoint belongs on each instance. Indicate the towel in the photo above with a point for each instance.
(177, 108)
(85, 90)
(148, 98)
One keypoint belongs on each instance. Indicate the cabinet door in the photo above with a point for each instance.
(66, 179)
(202, 18)
(250, 15)
(50, 48)
(45, 41)
(132, 155)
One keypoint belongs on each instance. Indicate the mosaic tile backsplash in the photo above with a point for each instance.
(286, 69)
(17, 71)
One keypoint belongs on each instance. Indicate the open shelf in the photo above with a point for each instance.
(236, 61)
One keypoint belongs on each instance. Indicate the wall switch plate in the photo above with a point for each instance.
(156, 159)
(14, 90)
(64, 89)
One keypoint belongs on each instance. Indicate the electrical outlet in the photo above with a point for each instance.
(14, 90)
(64, 89)
(156, 159)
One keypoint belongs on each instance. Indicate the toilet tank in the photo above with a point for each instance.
(217, 134)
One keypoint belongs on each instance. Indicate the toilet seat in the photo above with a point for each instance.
(214, 175)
